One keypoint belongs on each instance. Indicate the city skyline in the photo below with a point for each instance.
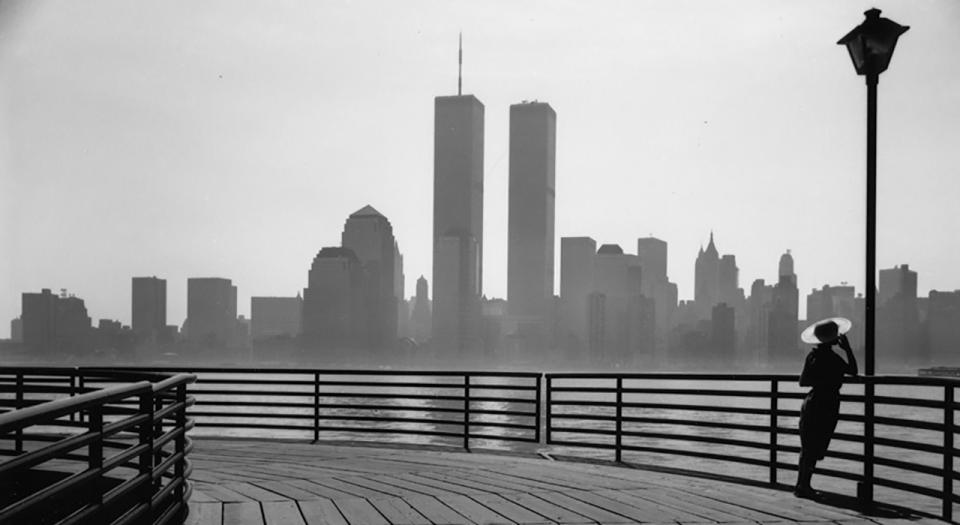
(210, 214)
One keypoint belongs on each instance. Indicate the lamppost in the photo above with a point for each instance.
(870, 45)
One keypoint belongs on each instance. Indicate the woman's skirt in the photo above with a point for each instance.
(818, 420)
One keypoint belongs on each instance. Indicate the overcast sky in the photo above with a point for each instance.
(232, 139)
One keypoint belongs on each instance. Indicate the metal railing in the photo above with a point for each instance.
(456, 407)
(74, 452)
(751, 420)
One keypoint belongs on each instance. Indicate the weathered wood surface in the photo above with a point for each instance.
(274, 482)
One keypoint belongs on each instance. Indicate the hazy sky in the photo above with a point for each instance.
(232, 139)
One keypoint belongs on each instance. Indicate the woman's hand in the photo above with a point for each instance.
(845, 343)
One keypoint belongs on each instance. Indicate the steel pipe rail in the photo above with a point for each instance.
(79, 454)
(751, 420)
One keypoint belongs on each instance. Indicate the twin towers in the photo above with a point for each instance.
(458, 219)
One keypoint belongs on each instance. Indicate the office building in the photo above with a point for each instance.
(148, 307)
(457, 224)
(211, 311)
(577, 258)
(898, 320)
(333, 302)
(531, 209)
(369, 235)
(272, 317)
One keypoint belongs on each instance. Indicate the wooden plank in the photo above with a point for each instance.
(254, 492)
(286, 490)
(244, 513)
(510, 510)
(221, 493)
(360, 512)
(320, 512)
(198, 495)
(546, 509)
(282, 513)
(205, 514)
(356, 490)
(377, 485)
(442, 485)
(468, 482)
(585, 509)
(437, 512)
(414, 487)
(474, 511)
(399, 512)
(617, 507)
(660, 497)
(655, 509)
(319, 490)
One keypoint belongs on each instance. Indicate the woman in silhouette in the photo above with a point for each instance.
(823, 371)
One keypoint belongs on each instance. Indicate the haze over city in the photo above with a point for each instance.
(235, 141)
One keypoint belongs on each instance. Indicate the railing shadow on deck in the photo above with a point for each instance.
(71, 453)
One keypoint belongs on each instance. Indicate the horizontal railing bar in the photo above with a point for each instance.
(26, 504)
(58, 449)
(361, 430)
(277, 404)
(38, 414)
(339, 371)
(699, 439)
(503, 438)
(671, 376)
(354, 406)
(272, 393)
(697, 423)
(696, 454)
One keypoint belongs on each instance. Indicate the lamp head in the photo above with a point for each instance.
(871, 43)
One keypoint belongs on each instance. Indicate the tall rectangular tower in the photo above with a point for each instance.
(148, 306)
(211, 310)
(457, 222)
(532, 182)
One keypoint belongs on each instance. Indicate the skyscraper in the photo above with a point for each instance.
(333, 300)
(420, 317)
(898, 323)
(531, 208)
(652, 254)
(55, 323)
(370, 236)
(784, 331)
(148, 307)
(457, 223)
(707, 280)
(211, 311)
(577, 257)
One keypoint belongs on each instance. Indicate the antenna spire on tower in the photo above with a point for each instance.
(460, 66)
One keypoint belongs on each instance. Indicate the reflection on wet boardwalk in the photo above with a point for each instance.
(273, 482)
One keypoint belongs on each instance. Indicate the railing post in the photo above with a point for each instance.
(157, 432)
(948, 453)
(316, 407)
(95, 451)
(774, 393)
(536, 429)
(180, 444)
(145, 466)
(548, 424)
(466, 411)
(19, 405)
(82, 386)
(619, 442)
(73, 392)
(865, 487)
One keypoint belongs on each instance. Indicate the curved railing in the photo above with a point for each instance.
(746, 426)
(77, 447)
(452, 407)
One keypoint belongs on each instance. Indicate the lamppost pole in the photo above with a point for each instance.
(871, 46)
(870, 313)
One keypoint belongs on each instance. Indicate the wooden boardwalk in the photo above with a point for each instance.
(273, 482)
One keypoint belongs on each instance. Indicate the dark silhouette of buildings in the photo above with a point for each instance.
(457, 224)
(898, 319)
(148, 307)
(421, 316)
(943, 327)
(577, 257)
(275, 317)
(531, 211)
(16, 330)
(652, 256)
(723, 334)
(211, 311)
(784, 331)
(369, 235)
(716, 281)
(333, 302)
(54, 323)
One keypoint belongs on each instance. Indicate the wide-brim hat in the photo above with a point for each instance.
(809, 335)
